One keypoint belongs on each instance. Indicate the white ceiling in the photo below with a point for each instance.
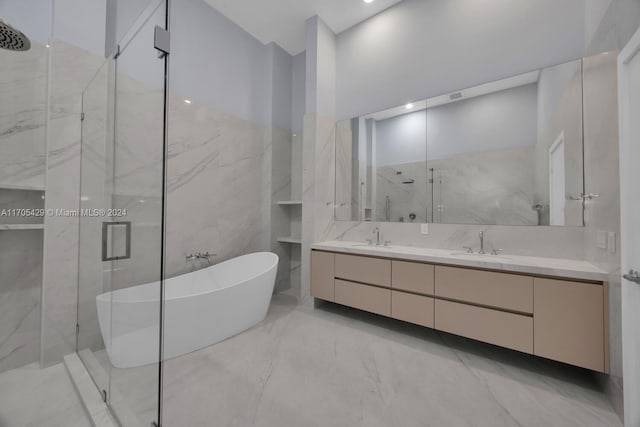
(283, 21)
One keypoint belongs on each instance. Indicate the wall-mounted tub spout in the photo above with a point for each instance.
(199, 255)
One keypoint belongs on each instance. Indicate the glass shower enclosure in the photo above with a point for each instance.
(121, 220)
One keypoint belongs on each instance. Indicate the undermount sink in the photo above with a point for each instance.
(484, 257)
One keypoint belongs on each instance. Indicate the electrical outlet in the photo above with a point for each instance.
(601, 239)
(424, 228)
(611, 242)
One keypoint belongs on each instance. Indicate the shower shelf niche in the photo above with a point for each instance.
(290, 239)
(21, 187)
(11, 227)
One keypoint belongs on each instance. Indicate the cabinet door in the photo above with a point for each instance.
(569, 322)
(322, 275)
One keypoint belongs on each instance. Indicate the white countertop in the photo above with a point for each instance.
(565, 268)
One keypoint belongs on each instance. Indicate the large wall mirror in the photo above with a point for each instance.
(508, 152)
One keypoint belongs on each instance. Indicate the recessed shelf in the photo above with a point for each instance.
(292, 240)
(21, 187)
(290, 202)
(8, 227)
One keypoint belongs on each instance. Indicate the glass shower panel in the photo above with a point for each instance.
(121, 223)
(136, 234)
(93, 274)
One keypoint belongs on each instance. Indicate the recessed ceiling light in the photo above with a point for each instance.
(368, 1)
(409, 106)
(186, 101)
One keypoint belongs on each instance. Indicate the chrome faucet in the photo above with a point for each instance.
(376, 231)
(481, 251)
(199, 255)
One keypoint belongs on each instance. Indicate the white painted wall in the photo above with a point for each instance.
(216, 63)
(321, 75)
(497, 121)
(593, 14)
(81, 23)
(552, 85)
(402, 139)
(298, 81)
(32, 17)
(401, 54)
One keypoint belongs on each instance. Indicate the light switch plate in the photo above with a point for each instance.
(424, 228)
(601, 239)
(611, 242)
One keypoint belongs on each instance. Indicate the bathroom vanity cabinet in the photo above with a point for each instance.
(557, 318)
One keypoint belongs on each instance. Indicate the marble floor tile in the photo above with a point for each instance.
(335, 366)
(34, 397)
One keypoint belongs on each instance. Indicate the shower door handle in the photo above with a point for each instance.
(108, 229)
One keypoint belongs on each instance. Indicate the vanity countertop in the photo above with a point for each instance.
(565, 268)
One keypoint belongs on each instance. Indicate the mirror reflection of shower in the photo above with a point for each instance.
(13, 39)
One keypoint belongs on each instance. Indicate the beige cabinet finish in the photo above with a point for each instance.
(375, 271)
(412, 277)
(560, 319)
(569, 322)
(322, 275)
(367, 298)
(412, 308)
(493, 326)
(500, 290)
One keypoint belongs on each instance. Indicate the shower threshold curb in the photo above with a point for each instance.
(89, 395)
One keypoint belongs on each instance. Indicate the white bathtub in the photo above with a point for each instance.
(201, 308)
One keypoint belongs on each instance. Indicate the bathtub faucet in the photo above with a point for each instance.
(199, 255)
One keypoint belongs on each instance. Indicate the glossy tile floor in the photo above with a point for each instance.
(334, 366)
(34, 397)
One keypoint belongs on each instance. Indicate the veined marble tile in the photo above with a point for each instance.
(486, 188)
(23, 95)
(20, 285)
(31, 396)
(558, 242)
(71, 71)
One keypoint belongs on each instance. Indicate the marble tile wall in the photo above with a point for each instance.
(96, 162)
(491, 187)
(405, 199)
(71, 71)
(319, 172)
(602, 178)
(20, 288)
(23, 97)
(344, 170)
(215, 186)
(555, 242)
(280, 179)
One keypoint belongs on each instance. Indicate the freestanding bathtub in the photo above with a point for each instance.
(201, 308)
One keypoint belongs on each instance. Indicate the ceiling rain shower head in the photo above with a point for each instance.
(12, 39)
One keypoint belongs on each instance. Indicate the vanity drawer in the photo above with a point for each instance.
(412, 308)
(412, 277)
(483, 324)
(363, 269)
(367, 298)
(500, 290)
